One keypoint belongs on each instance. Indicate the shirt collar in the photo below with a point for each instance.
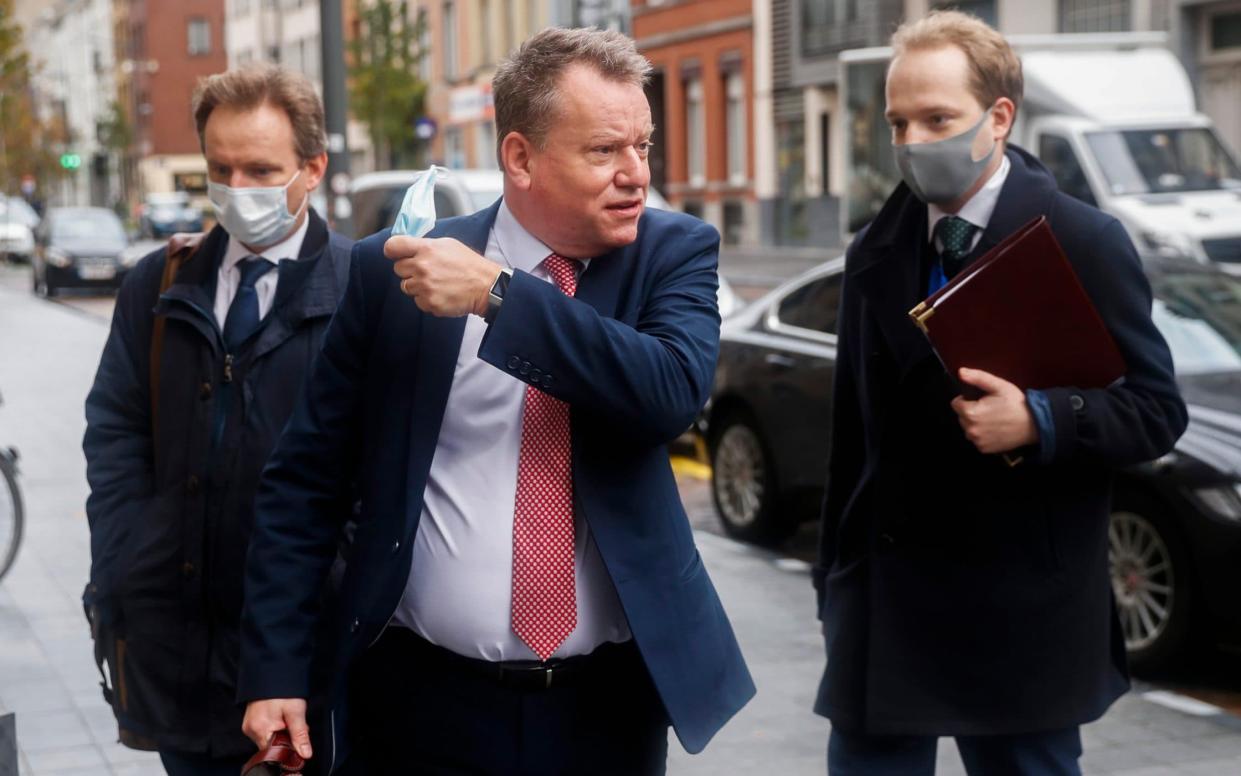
(520, 249)
(979, 208)
(289, 248)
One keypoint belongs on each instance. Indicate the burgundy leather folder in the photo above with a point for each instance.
(1020, 312)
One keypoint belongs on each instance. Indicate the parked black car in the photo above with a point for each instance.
(1176, 522)
(79, 247)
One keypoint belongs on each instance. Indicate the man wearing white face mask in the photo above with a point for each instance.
(207, 353)
(961, 597)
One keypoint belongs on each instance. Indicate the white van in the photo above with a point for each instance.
(1112, 116)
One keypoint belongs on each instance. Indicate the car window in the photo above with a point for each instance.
(813, 306)
(84, 225)
(1057, 153)
(1199, 315)
(444, 207)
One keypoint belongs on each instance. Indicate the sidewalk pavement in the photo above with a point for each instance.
(48, 354)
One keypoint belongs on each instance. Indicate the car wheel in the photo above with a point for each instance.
(1150, 581)
(743, 482)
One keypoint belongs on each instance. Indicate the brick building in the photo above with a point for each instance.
(162, 49)
(701, 99)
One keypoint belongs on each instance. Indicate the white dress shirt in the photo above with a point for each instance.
(229, 276)
(977, 210)
(459, 591)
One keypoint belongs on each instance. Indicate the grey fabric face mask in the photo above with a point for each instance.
(943, 170)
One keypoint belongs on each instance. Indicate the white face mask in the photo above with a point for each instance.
(257, 216)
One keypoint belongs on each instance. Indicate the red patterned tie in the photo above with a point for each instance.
(544, 594)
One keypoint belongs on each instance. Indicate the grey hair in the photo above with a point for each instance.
(525, 85)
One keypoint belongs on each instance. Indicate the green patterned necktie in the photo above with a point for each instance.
(955, 235)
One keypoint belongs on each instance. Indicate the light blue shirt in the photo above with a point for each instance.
(459, 591)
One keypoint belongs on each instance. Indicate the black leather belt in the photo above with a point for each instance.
(526, 675)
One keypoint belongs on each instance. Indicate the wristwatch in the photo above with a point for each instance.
(496, 295)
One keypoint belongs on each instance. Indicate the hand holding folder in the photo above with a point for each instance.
(1020, 313)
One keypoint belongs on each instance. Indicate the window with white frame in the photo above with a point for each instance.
(485, 145)
(198, 33)
(454, 148)
(695, 133)
(735, 124)
(450, 40)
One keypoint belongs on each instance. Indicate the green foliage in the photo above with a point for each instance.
(26, 143)
(385, 91)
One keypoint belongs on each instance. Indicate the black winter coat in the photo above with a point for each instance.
(171, 510)
(960, 596)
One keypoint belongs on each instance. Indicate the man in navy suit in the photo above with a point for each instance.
(960, 596)
(523, 594)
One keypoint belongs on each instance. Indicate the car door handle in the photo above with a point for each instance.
(780, 360)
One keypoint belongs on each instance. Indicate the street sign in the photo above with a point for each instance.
(70, 161)
(340, 183)
(425, 128)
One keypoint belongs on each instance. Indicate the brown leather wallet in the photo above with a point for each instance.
(278, 758)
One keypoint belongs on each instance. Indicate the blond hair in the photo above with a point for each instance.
(995, 70)
(525, 86)
(257, 84)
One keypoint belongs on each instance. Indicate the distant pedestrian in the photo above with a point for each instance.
(960, 596)
(209, 345)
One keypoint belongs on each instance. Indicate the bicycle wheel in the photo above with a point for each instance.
(12, 515)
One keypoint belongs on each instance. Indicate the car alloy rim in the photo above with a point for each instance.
(1142, 578)
(739, 476)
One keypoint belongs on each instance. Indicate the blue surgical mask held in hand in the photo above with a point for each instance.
(941, 171)
(417, 214)
(257, 216)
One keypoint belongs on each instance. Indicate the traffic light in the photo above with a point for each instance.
(70, 161)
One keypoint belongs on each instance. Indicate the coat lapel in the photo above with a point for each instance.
(887, 269)
(439, 344)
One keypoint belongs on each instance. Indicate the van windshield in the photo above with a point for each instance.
(1158, 161)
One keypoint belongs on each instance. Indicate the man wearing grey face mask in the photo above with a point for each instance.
(208, 349)
(961, 597)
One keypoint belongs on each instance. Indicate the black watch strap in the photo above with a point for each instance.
(495, 297)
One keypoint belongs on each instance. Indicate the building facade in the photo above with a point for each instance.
(702, 100)
(162, 49)
(802, 207)
(466, 40)
(1208, 38)
(70, 44)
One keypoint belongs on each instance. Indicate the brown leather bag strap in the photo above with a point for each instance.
(182, 247)
(278, 758)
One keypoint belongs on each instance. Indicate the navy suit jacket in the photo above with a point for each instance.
(633, 354)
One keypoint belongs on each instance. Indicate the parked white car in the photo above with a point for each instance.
(17, 223)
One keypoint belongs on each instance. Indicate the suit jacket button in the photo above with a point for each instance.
(514, 362)
(396, 547)
(1077, 403)
(204, 390)
(525, 368)
(355, 625)
(547, 380)
(535, 374)
(888, 539)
